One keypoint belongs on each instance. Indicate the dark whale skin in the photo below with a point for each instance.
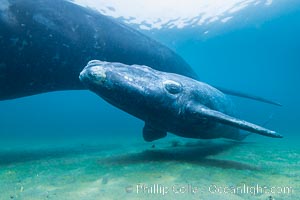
(45, 43)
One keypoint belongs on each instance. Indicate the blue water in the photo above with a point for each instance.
(262, 60)
(257, 53)
(260, 57)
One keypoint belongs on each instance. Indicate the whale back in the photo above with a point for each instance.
(44, 44)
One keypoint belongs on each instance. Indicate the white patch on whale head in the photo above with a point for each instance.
(95, 74)
(98, 74)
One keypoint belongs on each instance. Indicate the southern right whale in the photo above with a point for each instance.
(167, 102)
(45, 43)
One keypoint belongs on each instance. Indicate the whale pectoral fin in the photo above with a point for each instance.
(204, 112)
(150, 134)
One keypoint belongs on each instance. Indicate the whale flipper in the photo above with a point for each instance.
(203, 112)
(150, 134)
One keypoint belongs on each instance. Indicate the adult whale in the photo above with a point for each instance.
(167, 102)
(45, 43)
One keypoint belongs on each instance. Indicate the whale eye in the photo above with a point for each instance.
(172, 86)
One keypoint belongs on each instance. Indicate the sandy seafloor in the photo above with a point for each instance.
(127, 168)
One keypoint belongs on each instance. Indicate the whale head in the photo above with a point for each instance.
(135, 89)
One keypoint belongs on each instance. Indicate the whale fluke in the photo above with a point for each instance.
(247, 96)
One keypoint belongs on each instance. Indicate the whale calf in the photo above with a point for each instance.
(167, 102)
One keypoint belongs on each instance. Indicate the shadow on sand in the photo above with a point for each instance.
(195, 153)
(198, 153)
(19, 156)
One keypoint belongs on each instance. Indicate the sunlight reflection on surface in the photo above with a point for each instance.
(157, 14)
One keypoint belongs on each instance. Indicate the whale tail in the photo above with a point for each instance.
(248, 96)
(200, 112)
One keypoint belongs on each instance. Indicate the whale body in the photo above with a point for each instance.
(167, 102)
(45, 43)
